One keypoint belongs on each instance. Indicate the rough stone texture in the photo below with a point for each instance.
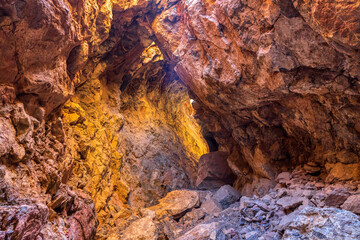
(352, 204)
(226, 195)
(263, 83)
(101, 140)
(202, 231)
(176, 203)
(23, 221)
(143, 228)
(337, 197)
(326, 223)
(214, 170)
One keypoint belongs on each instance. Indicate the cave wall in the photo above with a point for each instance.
(129, 145)
(281, 77)
(89, 101)
(93, 123)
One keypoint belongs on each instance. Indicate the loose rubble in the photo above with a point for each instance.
(301, 206)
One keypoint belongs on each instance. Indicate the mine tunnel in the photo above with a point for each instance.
(187, 120)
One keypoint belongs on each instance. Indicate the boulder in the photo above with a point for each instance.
(286, 220)
(226, 195)
(337, 197)
(143, 228)
(323, 223)
(352, 204)
(283, 177)
(290, 203)
(211, 206)
(176, 203)
(202, 231)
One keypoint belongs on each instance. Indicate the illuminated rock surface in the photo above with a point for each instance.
(109, 108)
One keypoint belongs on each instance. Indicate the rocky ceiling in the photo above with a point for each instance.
(96, 120)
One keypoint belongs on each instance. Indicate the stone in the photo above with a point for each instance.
(202, 231)
(143, 228)
(226, 195)
(325, 223)
(195, 215)
(312, 168)
(251, 235)
(23, 221)
(176, 203)
(342, 172)
(337, 197)
(283, 177)
(290, 203)
(211, 206)
(352, 204)
(286, 220)
(245, 202)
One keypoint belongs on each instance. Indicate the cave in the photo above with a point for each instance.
(133, 120)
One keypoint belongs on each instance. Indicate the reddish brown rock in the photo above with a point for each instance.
(337, 197)
(214, 170)
(22, 221)
(352, 204)
(259, 67)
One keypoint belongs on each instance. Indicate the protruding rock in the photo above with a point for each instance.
(202, 231)
(144, 228)
(226, 195)
(176, 203)
(337, 197)
(290, 203)
(283, 177)
(211, 206)
(23, 221)
(326, 223)
(352, 204)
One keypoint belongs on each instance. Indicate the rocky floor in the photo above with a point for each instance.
(299, 207)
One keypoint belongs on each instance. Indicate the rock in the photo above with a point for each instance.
(144, 228)
(337, 197)
(176, 203)
(342, 172)
(83, 221)
(22, 221)
(326, 223)
(283, 177)
(226, 195)
(251, 235)
(211, 206)
(352, 204)
(245, 202)
(257, 65)
(195, 215)
(312, 168)
(10, 149)
(213, 167)
(290, 203)
(202, 231)
(286, 220)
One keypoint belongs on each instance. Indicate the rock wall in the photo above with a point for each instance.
(93, 125)
(281, 78)
(129, 145)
